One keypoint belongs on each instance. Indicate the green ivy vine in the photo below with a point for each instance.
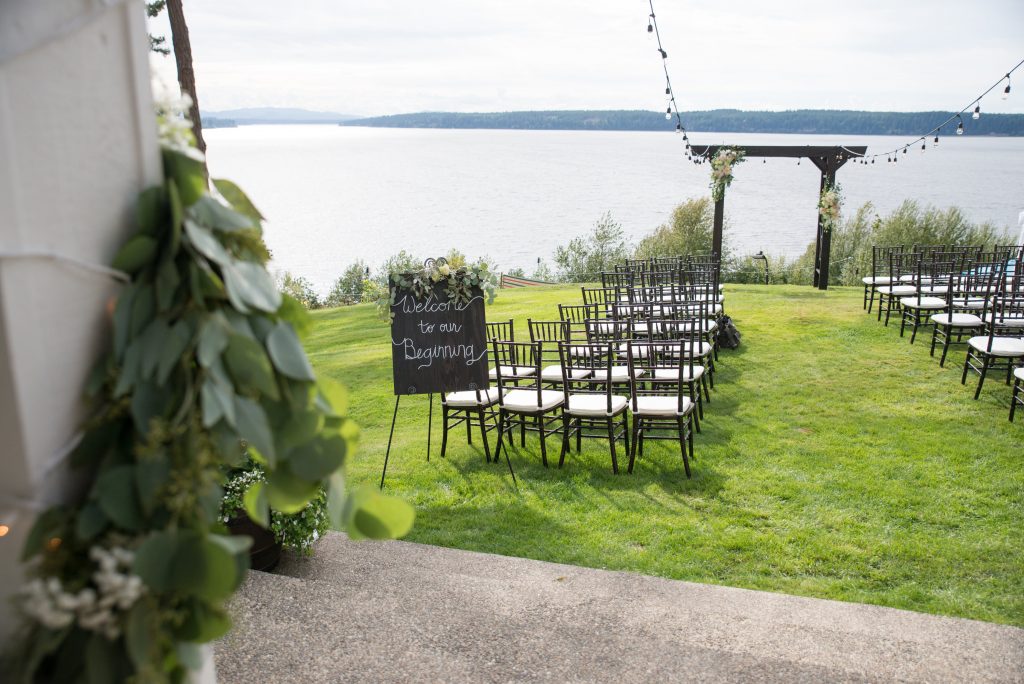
(205, 369)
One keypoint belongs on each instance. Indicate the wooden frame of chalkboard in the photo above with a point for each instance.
(438, 344)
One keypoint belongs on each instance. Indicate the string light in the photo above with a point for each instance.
(1006, 90)
(977, 112)
(672, 109)
(650, 26)
(936, 141)
(959, 125)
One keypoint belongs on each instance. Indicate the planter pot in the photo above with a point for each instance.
(265, 551)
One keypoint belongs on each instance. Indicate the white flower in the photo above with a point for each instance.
(445, 270)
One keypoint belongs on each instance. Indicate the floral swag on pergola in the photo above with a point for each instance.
(721, 169)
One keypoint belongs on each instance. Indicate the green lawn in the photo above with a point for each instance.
(835, 461)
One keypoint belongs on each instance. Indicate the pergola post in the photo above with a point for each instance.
(828, 165)
(716, 236)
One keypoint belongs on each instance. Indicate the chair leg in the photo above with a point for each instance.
(871, 300)
(611, 443)
(483, 434)
(565, 440)
(625, 429)
(636, 439)
(469, 430)
(945, 346)
(986, 362)
(543, 441)
(967, 364)
(903, 322)
(682, 443)
(444, 430)
(501, 434)
(935, 334)
(579, 436)
(522, 432)
(1014, 398)
(913, 333)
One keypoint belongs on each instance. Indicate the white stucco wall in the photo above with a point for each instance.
(77, 143)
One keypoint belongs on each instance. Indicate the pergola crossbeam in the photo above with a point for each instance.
(828, 160)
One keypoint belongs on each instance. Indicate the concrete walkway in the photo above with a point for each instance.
(397, 611)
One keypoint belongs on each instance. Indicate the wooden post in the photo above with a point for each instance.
(716, 238)
(823, 245)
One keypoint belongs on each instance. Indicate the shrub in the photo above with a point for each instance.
(299, 288)
(403, 262)
(349, 288)
(689, 231)
(586, 256)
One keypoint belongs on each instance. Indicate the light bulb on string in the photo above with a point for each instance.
(872, 160)
(977, 112)
(1006, 90)
(959, 125)
(904, 150)
(668, 113)
(650, 24)
(923, 146)
(936, 141)
(668, 90)
(664, 55)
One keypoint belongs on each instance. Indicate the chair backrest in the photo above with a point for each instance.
(926, 250)
(616, 279)
(656, 367)
(548, 334)
(932, 278)
(1006, 317)
(594, 359)
(601, 330)
(903, 264)
(880, 258)
(500, 330)
(508, 355)
(603, 297)
(576, 316)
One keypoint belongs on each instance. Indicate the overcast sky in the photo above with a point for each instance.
(394, 56)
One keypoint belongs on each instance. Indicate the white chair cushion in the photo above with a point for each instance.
(923, 303)
(554, 373)
(957, 320)
(661, 406)
(1006, 322)
(1018, 373)
(876, 280)
(898, 290)
(1001, 346)
(526, 400)
(514, 372)
(468, 398)
(673, 373)
(935, 289)
(620, 373)
(595, 405)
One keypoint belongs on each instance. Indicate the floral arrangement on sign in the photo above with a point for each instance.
(829, 205)
(205, 368)
(297, 530)
(459, 283)
(721, 169)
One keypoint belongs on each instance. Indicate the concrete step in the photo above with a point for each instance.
(400, 611)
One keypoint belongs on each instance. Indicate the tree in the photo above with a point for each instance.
(348, 289)
(689, 231)
(157, 44)
(299, 288)
(586, 256)
(182, 59)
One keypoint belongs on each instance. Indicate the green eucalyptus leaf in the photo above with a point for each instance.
(143, 310)
(167, 281)
(211, 212)
(300, 429)
(204, 567)
(217, 402)
(287, 353)
(213, 339)
(256, 505)
(129, 372)
(333, 399)
(141, 633)
(151, 211)
(373, 515)
(237, 199)
(135, 254)
(203, 622)
(150, 401)
(150, 346)
(177, 216)
(115, 494)
(122, 319)
(102, 660)
(253, 427)
(249, 285)
(337, 497)
(190, 654)
(90, 522)
(249, 366)
(295, 313)
(49, 524)
(154, 559)
(185, 168)
(173, 349)
(287, 492)
(318, 458)
(206, 243)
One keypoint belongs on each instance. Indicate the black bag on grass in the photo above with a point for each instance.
(728, 335)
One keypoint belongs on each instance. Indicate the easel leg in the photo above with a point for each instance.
(430, 424)
(391, 434)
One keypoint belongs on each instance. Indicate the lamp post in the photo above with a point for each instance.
(761, 255)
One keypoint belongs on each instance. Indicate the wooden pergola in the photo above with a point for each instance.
(827, 159)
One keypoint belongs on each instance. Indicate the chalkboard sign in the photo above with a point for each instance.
(438, 344)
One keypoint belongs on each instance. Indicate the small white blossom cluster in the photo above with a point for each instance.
(173, 125)
(828, 207)
(721, 169)
(96, 609)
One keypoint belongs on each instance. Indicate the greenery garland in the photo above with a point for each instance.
(829, 206)
(458, 283)
(721, 169)
(205, 368)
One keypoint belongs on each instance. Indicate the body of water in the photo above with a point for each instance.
(335, 194)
